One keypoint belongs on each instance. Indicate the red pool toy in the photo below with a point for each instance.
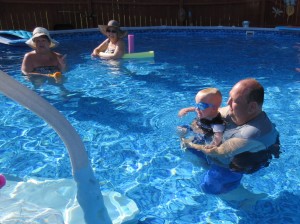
(2, 181)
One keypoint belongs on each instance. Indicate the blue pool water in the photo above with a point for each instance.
(126, 113)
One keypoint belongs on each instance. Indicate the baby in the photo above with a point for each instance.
(208, 126)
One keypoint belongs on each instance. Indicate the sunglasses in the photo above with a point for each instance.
(203, 106)
(111, 31)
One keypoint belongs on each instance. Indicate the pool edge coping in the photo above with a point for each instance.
(176, 28)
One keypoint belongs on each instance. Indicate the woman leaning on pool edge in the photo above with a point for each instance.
(113, 47)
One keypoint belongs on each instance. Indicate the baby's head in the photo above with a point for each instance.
(208, 102)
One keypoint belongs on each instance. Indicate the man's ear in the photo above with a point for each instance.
(252, 107)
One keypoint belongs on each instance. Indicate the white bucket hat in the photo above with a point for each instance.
(40, 31)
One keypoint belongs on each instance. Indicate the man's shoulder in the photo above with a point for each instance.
(258, 127)
(261, 121)
(262, 116)
(250, 132)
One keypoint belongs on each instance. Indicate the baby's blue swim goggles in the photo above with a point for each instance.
(203, 106)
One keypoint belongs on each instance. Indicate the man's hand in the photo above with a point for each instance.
(189, 143)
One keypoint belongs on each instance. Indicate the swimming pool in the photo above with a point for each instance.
(126, 113)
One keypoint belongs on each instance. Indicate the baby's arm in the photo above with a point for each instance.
(186, 110)
(218, 130)
(217, 139)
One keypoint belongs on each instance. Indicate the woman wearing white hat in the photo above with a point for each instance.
(42, 61)
(113, 47)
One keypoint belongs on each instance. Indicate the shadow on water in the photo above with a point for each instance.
(104, 112)
(100, 110)
(153, 79)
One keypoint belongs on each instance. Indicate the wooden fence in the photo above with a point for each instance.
(79, 14)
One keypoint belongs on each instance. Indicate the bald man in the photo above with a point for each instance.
(249, 141)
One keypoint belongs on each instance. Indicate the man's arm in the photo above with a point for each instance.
(229, 148)
(235, 146)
